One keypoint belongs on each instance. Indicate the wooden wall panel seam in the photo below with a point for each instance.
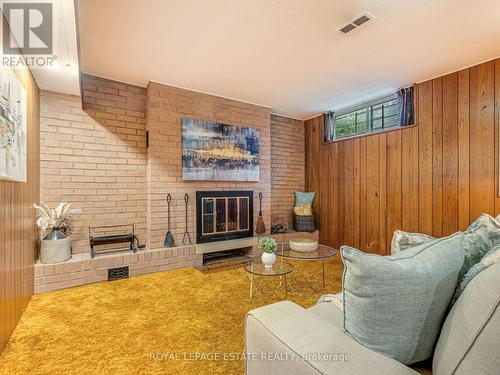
(425, 175)
(497, 135)
(437, 160)
(482, 132)
(463, 148)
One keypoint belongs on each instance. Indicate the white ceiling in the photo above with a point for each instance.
(285, 54)
(63, 76)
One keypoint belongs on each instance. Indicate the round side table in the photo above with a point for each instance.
(280, 269)
(320, 255)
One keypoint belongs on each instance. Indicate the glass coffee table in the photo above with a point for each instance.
(263, 286)
(310, 274)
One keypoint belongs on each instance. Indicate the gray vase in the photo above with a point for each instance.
(55, 247)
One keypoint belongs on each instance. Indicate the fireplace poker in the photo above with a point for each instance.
(187, 236)
(169, 237)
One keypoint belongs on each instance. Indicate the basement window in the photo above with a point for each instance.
(369, 117)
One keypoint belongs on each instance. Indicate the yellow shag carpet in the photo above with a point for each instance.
(176, 322)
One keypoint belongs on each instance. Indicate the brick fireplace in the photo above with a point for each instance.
(97, 158)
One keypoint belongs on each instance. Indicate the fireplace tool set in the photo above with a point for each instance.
(131, 239)
(169, 237)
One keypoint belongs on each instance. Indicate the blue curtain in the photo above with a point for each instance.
(405, 106)
(329, 126)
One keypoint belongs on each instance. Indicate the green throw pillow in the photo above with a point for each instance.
(489, 259)
(302, 198)
(395, 304)
(476, 244)
(491, 223)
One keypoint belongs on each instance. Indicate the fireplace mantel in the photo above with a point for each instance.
(212, 247)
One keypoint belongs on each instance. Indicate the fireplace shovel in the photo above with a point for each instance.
(261, 227)
(169, 238)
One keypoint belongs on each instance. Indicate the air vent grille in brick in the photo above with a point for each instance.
(118, 273)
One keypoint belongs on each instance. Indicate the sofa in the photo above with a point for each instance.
(284, 338)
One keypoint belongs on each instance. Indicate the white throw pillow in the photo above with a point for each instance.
(402, 240)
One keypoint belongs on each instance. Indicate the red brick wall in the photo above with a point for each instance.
(95, 159)
(287, 167)
(166, 107)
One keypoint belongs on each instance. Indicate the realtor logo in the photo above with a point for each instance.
(28, 27)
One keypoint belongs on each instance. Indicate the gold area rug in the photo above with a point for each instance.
(177, 322)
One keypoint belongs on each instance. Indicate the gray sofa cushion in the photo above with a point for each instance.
(329, 311)
(470, 339)
(395, 304)
(284, 339)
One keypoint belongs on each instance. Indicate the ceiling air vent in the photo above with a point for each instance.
(361, 20)
(347, 28)
(356, 22)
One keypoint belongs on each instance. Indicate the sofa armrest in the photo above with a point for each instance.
(283, 338)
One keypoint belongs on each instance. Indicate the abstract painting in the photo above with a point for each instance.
(12, 127)
(219, 152)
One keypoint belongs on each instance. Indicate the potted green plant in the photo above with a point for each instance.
(268, 247)
(55, 226)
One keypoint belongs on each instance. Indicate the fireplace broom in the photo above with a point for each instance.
(169, 237)
(261, 227)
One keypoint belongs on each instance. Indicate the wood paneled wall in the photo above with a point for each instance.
(435, 177)
(17, 224)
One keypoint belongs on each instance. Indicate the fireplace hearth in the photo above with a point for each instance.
(223, 215)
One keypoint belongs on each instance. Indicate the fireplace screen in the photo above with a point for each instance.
(224, 215)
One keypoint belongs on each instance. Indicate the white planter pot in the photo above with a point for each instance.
(268, 259)
(55, 251)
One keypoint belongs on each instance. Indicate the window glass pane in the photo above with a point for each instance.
(351, 123)
(373, 118)
(390, 109)
(377, 124)
(390, 121)
(377, 111)
(362, 121)
(344, 125)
